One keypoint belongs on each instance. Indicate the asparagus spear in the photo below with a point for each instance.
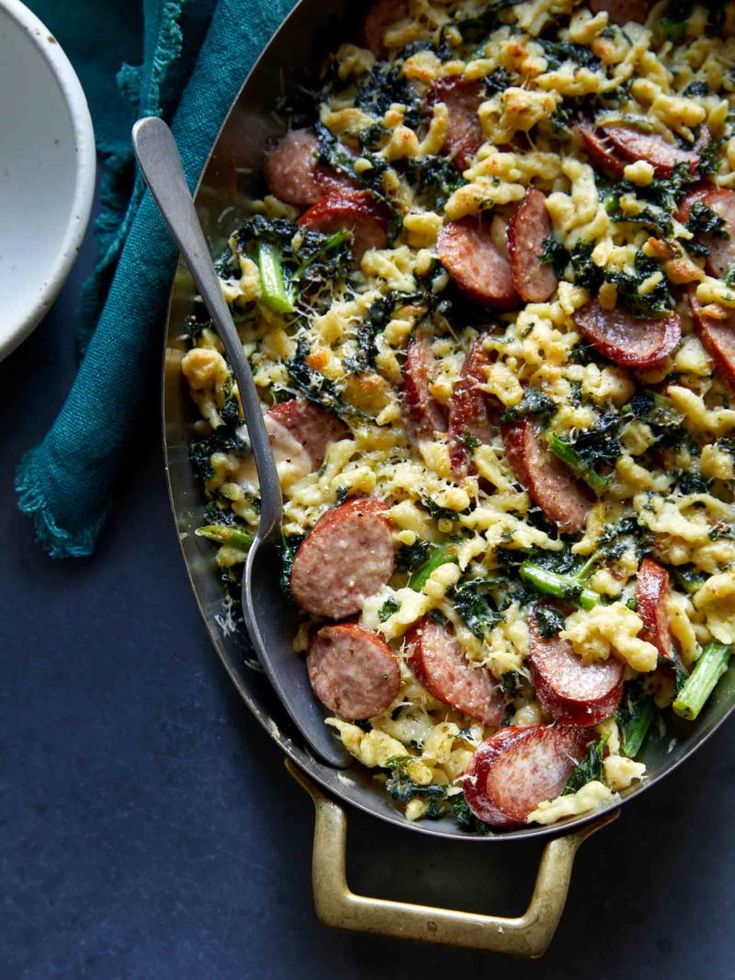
(230, 534)
(711, 665)
(569, 587)
(569, 455)
(438, 556)
(275, 290)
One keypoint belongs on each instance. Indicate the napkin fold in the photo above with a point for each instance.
(184, 60)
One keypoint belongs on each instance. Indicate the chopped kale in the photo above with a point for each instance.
(709, 157)
(389, 607)
(600, 444)
(557, 52)
(549, 621)
(384, 86)
(512, 683)
(410, 556)
(584, 271)
(466, 820)
(403, 789)
(287, 549)
(535, 403)
(634, 717)
(690, 482)
(475, 29)
(697, 89)
(657, 303)
(704, 220)
(689, 578)
(313, 385)
(222, 440)
(589, 769)
(475, 606)
(433, 177)
(554, 254)
(497, 81)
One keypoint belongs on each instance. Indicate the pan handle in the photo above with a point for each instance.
(336, 905)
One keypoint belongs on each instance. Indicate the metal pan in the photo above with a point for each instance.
(231, 179)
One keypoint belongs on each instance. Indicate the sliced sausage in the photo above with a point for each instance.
(311, 427)
(468, 412)
(570, 690)
(717, 336)
(519, 767)
(629, 341)
(436, 659)
(603, 155)
(360, 211)
(467, 252)
(663, 156)
(382, 15)
(347, 557)
(352, 671)
(623, 11)
(530, 226)
(564, 500)
(652, 589)
(462, 97)
(721, 250)
(290, 169)
(426, 414)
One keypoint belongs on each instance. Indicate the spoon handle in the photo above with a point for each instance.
(160, 162)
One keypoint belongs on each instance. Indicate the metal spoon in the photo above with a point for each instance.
(263, 604)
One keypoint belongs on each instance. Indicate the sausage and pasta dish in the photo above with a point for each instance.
(488, 297)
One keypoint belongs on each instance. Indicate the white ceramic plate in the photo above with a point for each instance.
(47, 170)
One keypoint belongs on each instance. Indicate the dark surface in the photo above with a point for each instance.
(150, 829)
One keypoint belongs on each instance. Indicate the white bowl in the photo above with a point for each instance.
(47, 169)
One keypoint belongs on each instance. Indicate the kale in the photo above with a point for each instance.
(600, 444)
(589, 769)
(313, 385)
(257, 229)
(549, 621)
(689, 578)
(554, 254)
(657, 303)
(721, 530)
(193, 329)
(410, 556)
(389, 607)
(372, 137)
(497, 81)
(287, 550)
(615, 539)
(697, 89)
(403, 789)
(557, 52)
(706, 221)
(653, 217)
(512, 682)
(690, 482)
(374, 322)
(465, 818)
(475, 29)
(438, 512)
(653, 408)
(584, 271)
(474, 606)
(709, 157)
(222, 440)
(434, 177)
(385, 85)
(535, 403)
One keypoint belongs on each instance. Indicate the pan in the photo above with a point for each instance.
(230, 181)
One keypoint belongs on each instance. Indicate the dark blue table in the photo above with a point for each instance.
(150, 829)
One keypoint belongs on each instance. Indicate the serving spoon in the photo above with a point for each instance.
(263, 604)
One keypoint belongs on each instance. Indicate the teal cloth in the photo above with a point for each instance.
(184, 60)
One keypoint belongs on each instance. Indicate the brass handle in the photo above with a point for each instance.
(336, 905)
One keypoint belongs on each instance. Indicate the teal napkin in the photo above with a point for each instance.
(184, 60)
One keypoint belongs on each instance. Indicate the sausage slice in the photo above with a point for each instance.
(347, 557)
(311, 427)
(718, 338)
(359, 211)
(426, 414)
(518, 767)
(462, 97)
(468, 412)
(352, 671)
(565, 500)
(652, 588)
(570, 690)
(629, 341)
(663, 156)
(382, 15)
(468, 254)
(603, 155)
(721, 250)
(623, 11)
(436, 658)
(530, 226)
(290, 169)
